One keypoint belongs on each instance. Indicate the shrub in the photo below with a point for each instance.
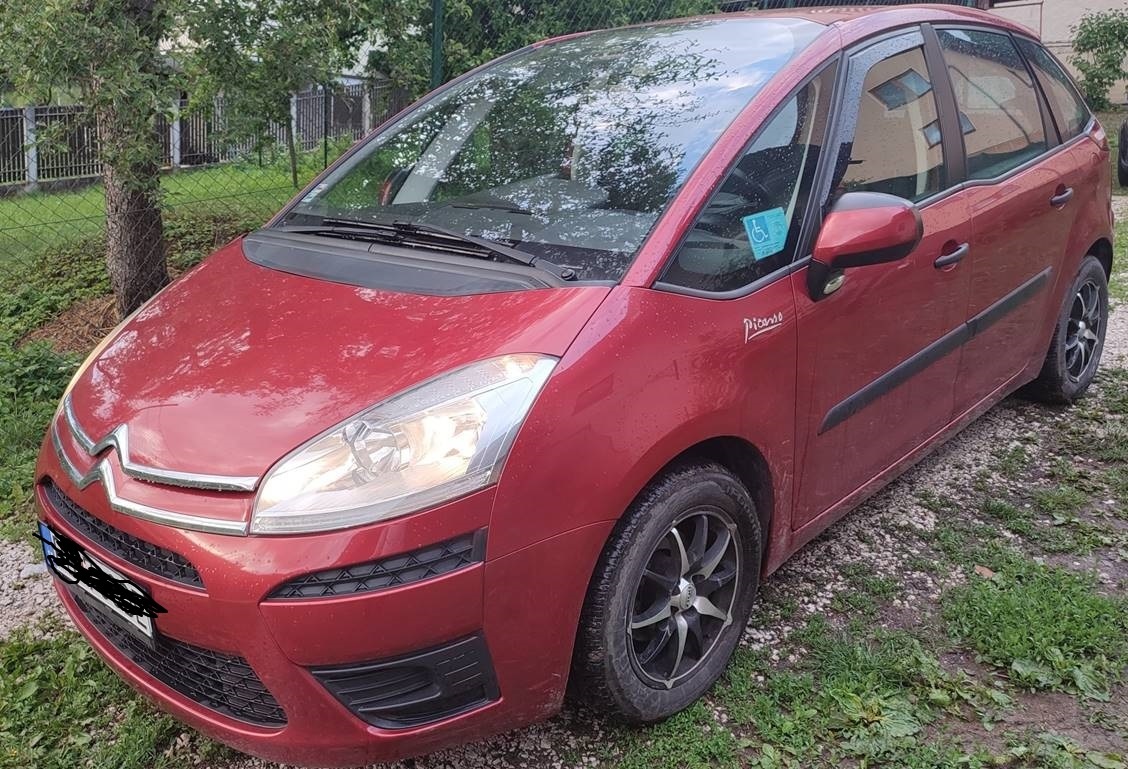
(1100, 46)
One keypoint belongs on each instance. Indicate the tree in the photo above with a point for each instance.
(475, 31)
(1100, 47)
(109, 51)
(257, 55)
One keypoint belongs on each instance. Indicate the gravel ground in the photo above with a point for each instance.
(25, 591)
(877, 536)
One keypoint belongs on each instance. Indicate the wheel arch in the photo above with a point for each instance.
(744, 460)
(1102, 250)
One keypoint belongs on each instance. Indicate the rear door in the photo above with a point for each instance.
(1021, 188)
(878, 358)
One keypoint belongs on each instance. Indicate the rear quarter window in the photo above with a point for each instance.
(1070, 111)
(1000, 111)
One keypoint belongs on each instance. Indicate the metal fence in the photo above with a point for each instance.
(188, 138)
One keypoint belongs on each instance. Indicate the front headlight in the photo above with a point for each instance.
(442, 439)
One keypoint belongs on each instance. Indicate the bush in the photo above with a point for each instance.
(1100, 46)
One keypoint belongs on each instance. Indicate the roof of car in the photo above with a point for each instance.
(888, 14)
(854, 22)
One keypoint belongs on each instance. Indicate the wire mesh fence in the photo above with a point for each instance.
(214, 184)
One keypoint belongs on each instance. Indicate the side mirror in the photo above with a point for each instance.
(862, 229)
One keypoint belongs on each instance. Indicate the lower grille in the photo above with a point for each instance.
(415, 689)
(221, 682)
(151, 558)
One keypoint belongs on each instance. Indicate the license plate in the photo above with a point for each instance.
(121, 599)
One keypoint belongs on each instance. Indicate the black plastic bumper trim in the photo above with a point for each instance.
(417, 688)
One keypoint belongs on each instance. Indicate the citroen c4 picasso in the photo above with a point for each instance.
(530, 390)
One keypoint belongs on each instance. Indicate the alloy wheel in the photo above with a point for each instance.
(1083, 334)
(685, 597)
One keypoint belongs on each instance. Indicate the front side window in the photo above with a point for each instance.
(896, 148)
(1003, 127)
(1069, 108)
(749, 228)
(568, 151)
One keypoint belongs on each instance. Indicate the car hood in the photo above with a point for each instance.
(235, 364)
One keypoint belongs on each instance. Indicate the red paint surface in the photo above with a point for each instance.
(236, 365)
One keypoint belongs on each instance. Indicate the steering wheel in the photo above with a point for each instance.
(740, 196)
(740, 183)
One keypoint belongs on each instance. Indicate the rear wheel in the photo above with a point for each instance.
(670, 596)
(1075, 352)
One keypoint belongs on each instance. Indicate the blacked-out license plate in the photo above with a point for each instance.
(122, 600)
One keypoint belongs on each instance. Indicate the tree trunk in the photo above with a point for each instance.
(291, 146)
(130, 152)
(135, 244)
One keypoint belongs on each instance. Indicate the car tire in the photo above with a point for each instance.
(626, 670)
(1122, 156)
(1075, 352)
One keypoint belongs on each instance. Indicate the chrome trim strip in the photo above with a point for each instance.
(119, 439)
(101, 471)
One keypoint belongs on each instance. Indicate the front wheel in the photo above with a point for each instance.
(670, 596)
(1075, 352)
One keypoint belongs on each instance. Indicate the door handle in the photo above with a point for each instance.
(1059, 200)
(954, 258)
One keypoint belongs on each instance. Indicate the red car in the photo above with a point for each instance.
(532, 388)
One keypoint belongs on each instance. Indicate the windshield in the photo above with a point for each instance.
(569, 151)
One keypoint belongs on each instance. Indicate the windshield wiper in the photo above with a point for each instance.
(394, 231)
(506, 207)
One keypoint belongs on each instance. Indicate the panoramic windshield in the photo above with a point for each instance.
(568, 152)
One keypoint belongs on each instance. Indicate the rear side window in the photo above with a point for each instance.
(1069, 108)
(1000, 112)
(749, 228)
(896, 148)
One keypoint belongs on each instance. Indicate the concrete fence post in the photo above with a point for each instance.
(294, 120)
(367, 94)
(31, 150)
(174, 135)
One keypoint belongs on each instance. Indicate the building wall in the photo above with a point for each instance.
(1054, 21)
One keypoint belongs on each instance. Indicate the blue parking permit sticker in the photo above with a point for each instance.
(767, 232)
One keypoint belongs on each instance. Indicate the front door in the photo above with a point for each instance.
(878, 358)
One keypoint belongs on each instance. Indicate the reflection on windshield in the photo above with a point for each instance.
(569, 151)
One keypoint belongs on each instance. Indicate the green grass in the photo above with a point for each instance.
(1014, 461)
(867, 697)
(1118, 285)
(61, 707)
(866, 592)
(689, 740)
(1046, 627)
(48, 221)
(1049, 750)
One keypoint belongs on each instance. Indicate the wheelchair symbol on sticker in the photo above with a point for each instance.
(767, 232)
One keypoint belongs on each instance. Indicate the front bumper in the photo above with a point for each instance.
(515, 616)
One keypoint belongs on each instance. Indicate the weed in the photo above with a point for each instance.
(689, 740)
(1014, 461)
(63, 708)
(1061, 501)
(1053, 751)
(1046, 627)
